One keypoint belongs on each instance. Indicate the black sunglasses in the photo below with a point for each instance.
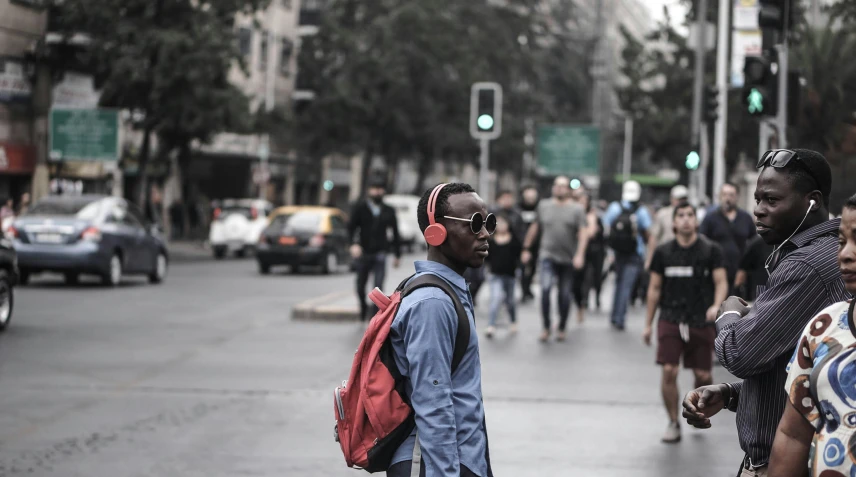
(779, 158)
(478, 221)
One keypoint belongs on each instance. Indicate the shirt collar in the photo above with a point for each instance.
(444, 272)
(806, 236)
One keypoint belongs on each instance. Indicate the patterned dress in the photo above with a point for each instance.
(821, 385)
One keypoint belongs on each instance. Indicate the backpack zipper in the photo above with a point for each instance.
(338, 395)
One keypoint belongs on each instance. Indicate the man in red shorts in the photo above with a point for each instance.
(688, 283)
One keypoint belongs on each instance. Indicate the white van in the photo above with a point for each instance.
(408, 225)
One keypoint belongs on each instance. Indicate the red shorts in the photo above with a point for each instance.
(698, 352)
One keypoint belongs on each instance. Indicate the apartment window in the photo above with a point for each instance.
(245, 42)
(263, 52)
(285, 56)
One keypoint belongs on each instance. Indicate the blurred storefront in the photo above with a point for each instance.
(17, 164)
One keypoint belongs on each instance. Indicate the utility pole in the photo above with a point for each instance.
(628, 148)
(782, 116)
(698, 85)
(721, 126)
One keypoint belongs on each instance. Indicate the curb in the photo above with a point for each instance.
(320, 309)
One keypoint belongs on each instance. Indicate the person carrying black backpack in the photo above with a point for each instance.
(628, 225)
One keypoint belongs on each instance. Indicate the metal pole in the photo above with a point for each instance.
(704, 156)
(698, 82)
(628, 148)
(782, 117)
(720, 128)
(484, 148)
(763, 139)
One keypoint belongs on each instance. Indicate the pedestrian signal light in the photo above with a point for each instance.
(755, 101)
(576, 184)
(328, 185)
(693, 160)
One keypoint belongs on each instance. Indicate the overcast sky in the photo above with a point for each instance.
(676, 10)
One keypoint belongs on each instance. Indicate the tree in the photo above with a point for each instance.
(166, 61)
(394, 77)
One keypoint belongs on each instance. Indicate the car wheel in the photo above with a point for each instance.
(331, 263)
(24, 278)
(264, 268)
(219, 252)
(72, 278)
(7, 299)
(161, 266)
(113, 277)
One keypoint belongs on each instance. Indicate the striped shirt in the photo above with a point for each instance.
(757, 347)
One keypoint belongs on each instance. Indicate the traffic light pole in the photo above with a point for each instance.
(698, 84)
(721, 126)
(782, 116)
(484, 163)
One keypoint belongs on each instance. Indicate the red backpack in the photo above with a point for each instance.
(373, 413)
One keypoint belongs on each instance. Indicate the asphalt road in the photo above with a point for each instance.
(207, 375)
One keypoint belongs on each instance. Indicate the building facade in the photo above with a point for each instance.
(22, 26)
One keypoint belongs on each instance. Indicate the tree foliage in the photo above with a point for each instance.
(393, 77)
(167, 61)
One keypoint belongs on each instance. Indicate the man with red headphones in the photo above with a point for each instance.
(452, 437)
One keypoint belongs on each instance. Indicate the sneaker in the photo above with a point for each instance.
(490, 331)
(561, 335)
(512, 328)
(545, 335)
(672, 434)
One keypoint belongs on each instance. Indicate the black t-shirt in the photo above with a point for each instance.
(688, 287)
(752, 263)
(731, 236)
(503, 259)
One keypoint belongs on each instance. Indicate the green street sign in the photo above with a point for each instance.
(756, 101)
(84, 135)
(567, 149)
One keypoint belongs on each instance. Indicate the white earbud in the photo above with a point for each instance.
(770, 258)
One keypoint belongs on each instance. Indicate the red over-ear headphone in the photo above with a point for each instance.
(435, 234)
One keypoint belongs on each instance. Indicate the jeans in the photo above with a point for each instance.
(551, 272)
(403, 469)
(627, 268)
(502, 291)
(374, 263)
(527, 275)
(475, 277)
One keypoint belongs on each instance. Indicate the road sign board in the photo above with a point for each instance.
(569, 149)
(84, 134)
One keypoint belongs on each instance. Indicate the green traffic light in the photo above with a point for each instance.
(693, 161)
(756, 101)
(485, 121)
(328, 185)
(576, 184)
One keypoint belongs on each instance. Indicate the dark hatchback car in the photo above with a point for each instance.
(304, 236)
(99, 235)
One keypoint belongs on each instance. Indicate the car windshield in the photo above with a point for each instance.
(84, 209)
(296, 223)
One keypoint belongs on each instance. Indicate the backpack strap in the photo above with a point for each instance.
(462, 339)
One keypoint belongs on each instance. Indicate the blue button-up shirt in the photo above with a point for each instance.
(449, 410)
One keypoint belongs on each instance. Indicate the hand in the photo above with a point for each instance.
(703, 403)
(647, 264)
(396, 262)
(712, 314)
(526, 257)
(646, 335)
(734, 303)
(579, 262)
(356, 251)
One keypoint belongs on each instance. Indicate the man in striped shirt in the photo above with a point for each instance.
(792, 198)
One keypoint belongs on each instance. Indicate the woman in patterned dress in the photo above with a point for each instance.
(817, 434)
